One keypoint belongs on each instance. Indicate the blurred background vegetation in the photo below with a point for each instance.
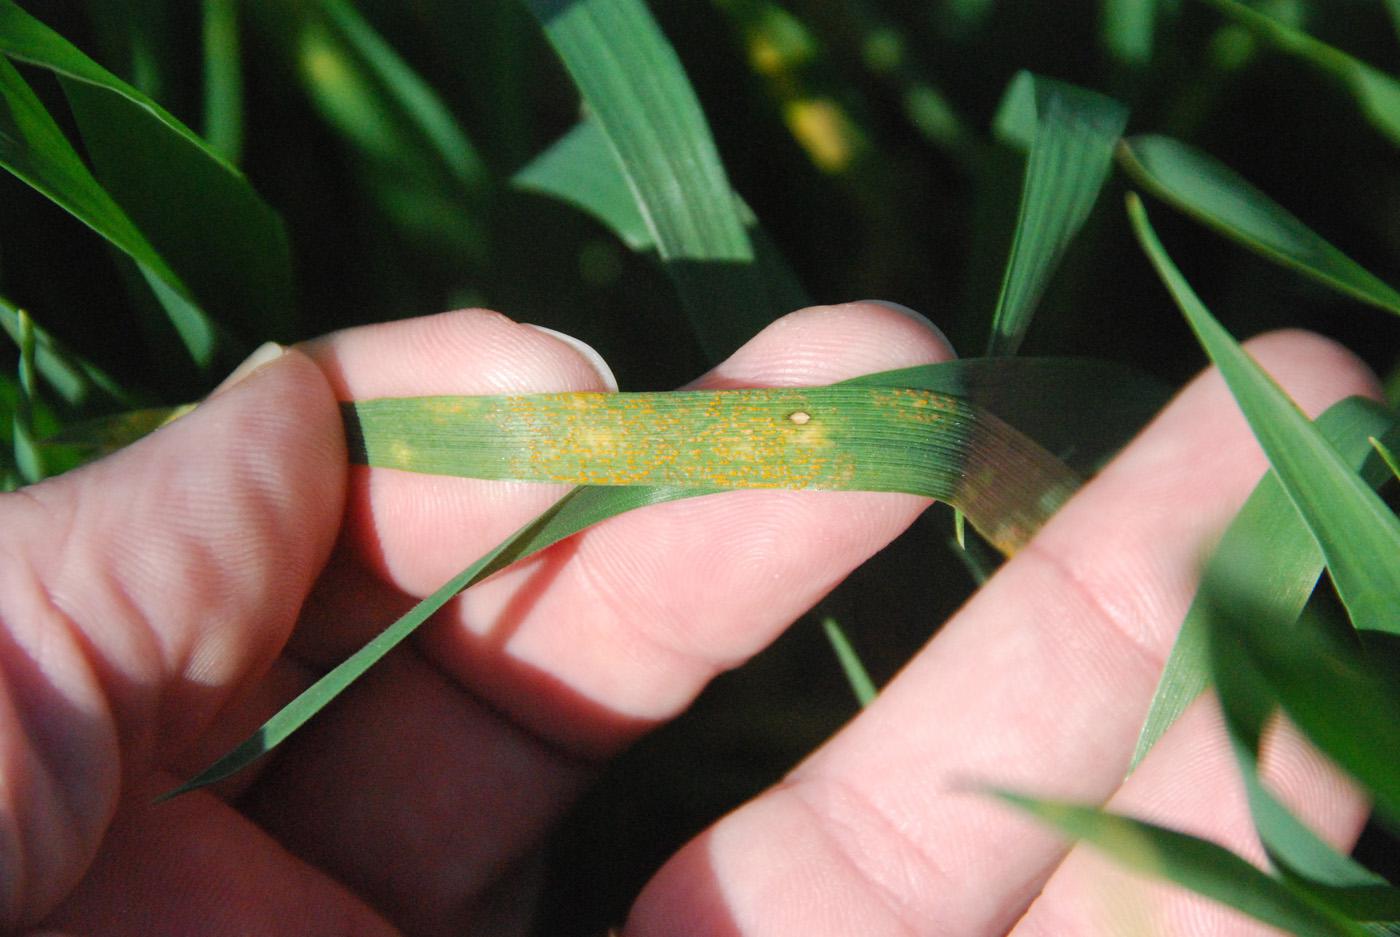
(859, 131)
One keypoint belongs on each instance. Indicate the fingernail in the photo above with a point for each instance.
(265, 354)
(588, 352)
(908, 313)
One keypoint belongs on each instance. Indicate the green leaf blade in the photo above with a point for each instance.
(1358, 534)
(1199, 865)
(635, 88)
(856, 674)
(1215, 195)
(1071, 154)
(577, 510)
(1323, 680)
(1376, 93)
(223, 79)
(840, 437)
(413, 97)
(631, 78)
(581, 169)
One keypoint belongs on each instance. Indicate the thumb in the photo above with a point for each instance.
(138, 593)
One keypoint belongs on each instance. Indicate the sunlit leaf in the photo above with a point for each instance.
(1202, 866)
(577, 510)
(1071, 154)
(635, 88)
(1212, 193)
(1009, 484)
(1358, 534)
(833, 438)
(582, 169)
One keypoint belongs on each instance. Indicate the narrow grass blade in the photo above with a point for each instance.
(1384, 452)
(1377, 93)
(1213, 194)
(582, 169)
(1358, 534)
(34, 148)
(28, 460)
(1283, 560)
(634, 85)
(1236, 585)
(413, 97)
(1202, 866)
(856, 675)
(1070, 158)
(74, 379)
(1295, 851)
(577, 510)
(635, 88)
(223, 79)
(1127, 28)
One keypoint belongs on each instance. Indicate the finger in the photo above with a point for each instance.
(196, 866)
(571, 648)
(1190, 782)
(138, 593)
(1039, 684)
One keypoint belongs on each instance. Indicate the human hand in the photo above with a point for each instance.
(154, 614)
